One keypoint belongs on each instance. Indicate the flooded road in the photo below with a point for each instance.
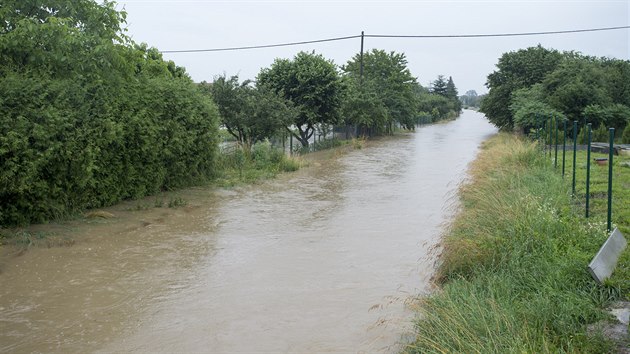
(325, 259)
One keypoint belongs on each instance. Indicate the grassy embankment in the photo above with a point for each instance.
(513, 271)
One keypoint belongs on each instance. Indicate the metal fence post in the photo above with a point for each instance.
(610, 177)
(564, 144)
(550, 135)
(574, 153)
(555, 159)
(539, 124)
(588, 166)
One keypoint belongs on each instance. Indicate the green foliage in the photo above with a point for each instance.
(613, 116)
(600, 134)
(529, 108)
(451, 90)
(516, 70)
(363, 107)
(598, 206)
(439, 106)
(238, 166)
(517, 238)
(471, 99)
(177, 202)
(88, 118)
(625, 137)
(312, 84)
(575, 84)
(387, 93)
(581, 88)
(249, 114)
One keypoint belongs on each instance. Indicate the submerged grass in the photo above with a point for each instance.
(514, 263)
(263, 162)
(23, 240)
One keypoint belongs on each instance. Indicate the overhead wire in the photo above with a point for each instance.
(497, 34)
(261, 46)
(516, 34)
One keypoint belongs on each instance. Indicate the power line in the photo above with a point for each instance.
(498, 34)
(260, 46)
(397, 36)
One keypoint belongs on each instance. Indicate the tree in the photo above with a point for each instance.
(451, 94)
(438, 105)
(516, 70)
(613, 116)
(250, 114)
(529, 108)
(362, 106)
(386, 77)
(439, 86)
(576, 84)
(451, 90)
(470, 99)
(312, 84)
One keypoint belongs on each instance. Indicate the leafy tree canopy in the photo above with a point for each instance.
(250, 114)
(312, 84)
(387, 77)
(516, 70)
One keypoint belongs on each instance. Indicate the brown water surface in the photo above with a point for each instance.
(326, 259)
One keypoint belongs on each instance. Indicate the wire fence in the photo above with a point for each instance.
(553, 136)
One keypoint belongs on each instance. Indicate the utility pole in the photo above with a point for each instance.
(361, 60)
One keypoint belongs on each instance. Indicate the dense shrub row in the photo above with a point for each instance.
(88, 118)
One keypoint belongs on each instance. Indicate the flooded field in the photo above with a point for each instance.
(325, 259)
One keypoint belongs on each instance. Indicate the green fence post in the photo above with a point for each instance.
(610, 176)
(555, 159)
(541, 124)
(588, 166)
(564, 144)
(543, 134)
(574, 153)
(550, 135)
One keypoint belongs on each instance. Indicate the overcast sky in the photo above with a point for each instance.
(203, 24)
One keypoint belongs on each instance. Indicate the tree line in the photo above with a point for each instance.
(536, 82)
(88, 117)
(309, 92)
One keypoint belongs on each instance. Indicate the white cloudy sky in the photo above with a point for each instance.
(202, 24)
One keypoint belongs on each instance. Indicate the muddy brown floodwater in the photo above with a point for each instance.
(325, 259)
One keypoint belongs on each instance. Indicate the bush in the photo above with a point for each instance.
(601, 134)
(93, 119)
(625, 137)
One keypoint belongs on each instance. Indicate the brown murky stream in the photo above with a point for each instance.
(322, 260)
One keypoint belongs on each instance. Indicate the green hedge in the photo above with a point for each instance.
(89, 118)
(67, 145)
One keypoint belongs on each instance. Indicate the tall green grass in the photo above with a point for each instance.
(239, 166)
(514, 263)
